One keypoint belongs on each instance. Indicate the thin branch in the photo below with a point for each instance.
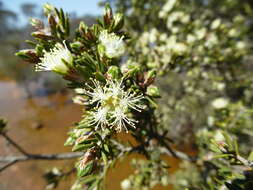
(14, 144)
(244, 161)
(164, 150)
(61, 156)
(180, 155)
(7, 165)
(10, 160)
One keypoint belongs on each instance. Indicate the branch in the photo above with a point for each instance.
(7, 165)
(244, 161)
(15, 159)
(11, 160)
(14, 144)
(164, 150)
(179, 155)
(61, 156)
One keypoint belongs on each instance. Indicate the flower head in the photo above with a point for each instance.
(113, 105)
(113, 45)
(220, 103)
(56, 60)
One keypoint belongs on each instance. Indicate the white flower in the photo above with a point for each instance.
(120, 119)
(241, 45)
(215, 24)
(99, 118)
(131, 101)
(191, 38)
(126, 184)
(201, 33)
(153, 35)
(113, 44)
(220, 103)
(113, 104)
(56, 60)
(169, 5)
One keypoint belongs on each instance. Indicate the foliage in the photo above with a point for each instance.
(199, 54)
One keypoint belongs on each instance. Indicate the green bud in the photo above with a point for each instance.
(130, 70)
(83, 27)
(48, 8)
(38, 24)
(108, 15)
(114, 72)
(42, 35)
(151, 74)
(101, 49)
(52, 22)
(28, 55)
(153, 91)
(118, 21)
(76, 46)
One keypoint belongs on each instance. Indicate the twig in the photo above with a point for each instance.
(14, 144)
(61, 156)
(244, 161)
(10, 160)
(15, 159)
(7, 165)
(164, 150)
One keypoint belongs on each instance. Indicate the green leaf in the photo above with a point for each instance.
(89, 179)
(86, 170)
(104, 157)
(82, 147)
(228, 141)
(251, 156)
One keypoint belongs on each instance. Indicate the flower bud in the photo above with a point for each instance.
(153, 91)
(108, 15)
(42, 34)
(36, 23)
(83, 27)
(52, 22)
(48, 8)
(28, 55)
(118, 21)
(114, 72)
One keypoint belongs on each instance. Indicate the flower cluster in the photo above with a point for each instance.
(112, 105)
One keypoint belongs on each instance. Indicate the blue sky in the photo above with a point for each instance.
(81, 7)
